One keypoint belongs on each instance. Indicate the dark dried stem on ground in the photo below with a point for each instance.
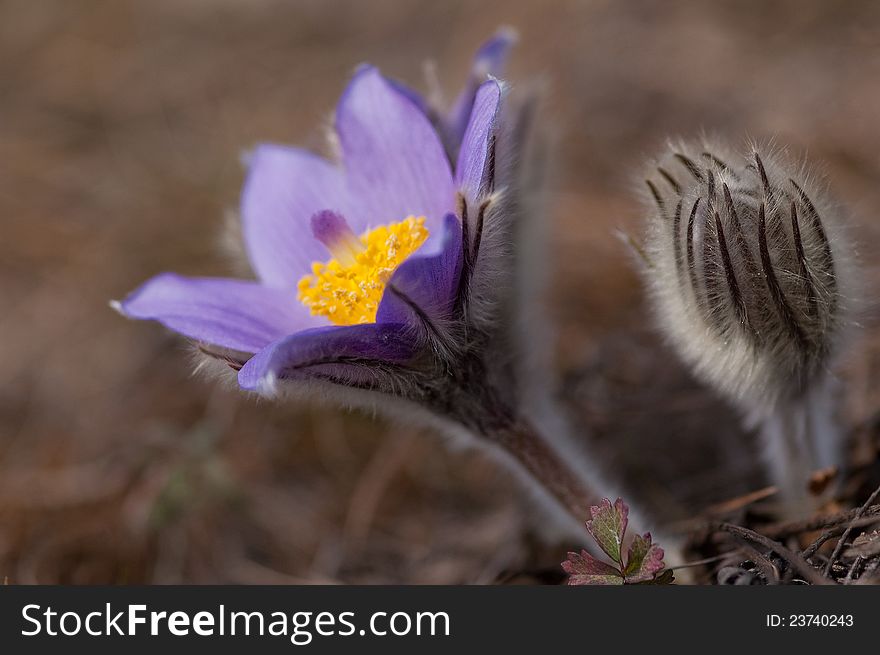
(839, 547)
(852, 569)
(797, 562)
(768, 568)
(782, 530)
(868, 573)
(836, 531)
(701, 562)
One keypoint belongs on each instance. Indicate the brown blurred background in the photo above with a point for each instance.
(121, 125)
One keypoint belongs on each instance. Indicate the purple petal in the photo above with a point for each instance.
(470, 173)
(351, 354)
(395, 164)
(285, 187)
(412, 95)
(490, 60)
(429, 280)
(236, 314)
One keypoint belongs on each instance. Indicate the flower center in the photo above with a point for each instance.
(348, 288)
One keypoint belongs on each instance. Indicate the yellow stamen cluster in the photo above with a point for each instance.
(349, 292)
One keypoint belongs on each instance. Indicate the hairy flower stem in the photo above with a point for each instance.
(526, 432)
(547, 467)
(550, 463)
(544, 456)
(800, 436)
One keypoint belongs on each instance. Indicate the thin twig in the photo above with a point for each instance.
(869, 571)
(782, 530)
(741, 501)
(836, 531)
(839, 547)
(796, 561)
(700, 562)
(768, 568)
(852, 569)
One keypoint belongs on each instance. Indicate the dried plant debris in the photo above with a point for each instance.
(838, 548)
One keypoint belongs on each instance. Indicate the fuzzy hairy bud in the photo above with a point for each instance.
(748, 270)
(751, 277)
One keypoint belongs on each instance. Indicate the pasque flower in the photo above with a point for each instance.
(393, 278)
(327, 240)
(751, 276)
(358, 263)
(451, 119)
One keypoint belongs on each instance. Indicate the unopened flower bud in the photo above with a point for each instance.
(751, 277)
(748, 271)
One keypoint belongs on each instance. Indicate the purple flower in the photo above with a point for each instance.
(451, 121)
(407, 272)
(489, 61)
(359, 265)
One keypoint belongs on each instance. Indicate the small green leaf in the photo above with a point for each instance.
(608, 525)
(584, 569)
(644, 559)
(667, 577)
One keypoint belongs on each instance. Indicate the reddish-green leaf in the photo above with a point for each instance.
(608, 525)
(666, 577)
(584, 569)
(644, 559)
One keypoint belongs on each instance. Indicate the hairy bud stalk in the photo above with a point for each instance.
(749, 273)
